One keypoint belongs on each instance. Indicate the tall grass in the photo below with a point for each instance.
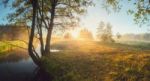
(94, 61)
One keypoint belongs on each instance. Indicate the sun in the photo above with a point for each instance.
(74, 34)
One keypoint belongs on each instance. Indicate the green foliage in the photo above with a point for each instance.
(46, 14)
(140, 10)
(104, 32)
(68, 9)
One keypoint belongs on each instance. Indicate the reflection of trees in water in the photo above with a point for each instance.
(14, 56)
(41, 75)
(20, 63)
(36, 75)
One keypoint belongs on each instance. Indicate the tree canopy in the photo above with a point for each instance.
(46, 14)
(104, 32)
(140, 9)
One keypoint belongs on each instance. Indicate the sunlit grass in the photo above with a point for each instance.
(6, 46)
(95, 61)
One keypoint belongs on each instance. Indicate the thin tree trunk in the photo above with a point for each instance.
(41, 41)
(39, 26)
(41, 33)
(48, 39)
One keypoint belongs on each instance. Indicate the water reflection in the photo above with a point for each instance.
(41, 75)
(14, 56)
(51, 50)
(55, 50)
(20, 67)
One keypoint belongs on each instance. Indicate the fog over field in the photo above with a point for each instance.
(74, 40)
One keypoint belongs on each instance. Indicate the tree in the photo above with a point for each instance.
(118, 35)
(46, 14)
(56, 14)
(104, 32)
(67, 36)
(100, 29)
(140, 10)
(85, 34)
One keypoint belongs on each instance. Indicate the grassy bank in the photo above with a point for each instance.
(94, 61)
(12, 51)
(6, 46)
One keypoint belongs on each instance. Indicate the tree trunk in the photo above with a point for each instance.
(41, 33)
(30, 45)
(41, 41)
(48, 39)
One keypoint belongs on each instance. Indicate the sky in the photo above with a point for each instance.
(3, 12)
(121, 21)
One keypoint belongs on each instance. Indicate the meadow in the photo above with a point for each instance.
(98, 61)
(89, 60)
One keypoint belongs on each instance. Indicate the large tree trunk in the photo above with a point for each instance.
(48, 39)
(30, 45)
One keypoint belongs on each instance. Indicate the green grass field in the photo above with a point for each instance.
(95, 61)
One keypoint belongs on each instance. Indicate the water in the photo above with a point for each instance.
(55, 50)
(22, 70)
(51, 50)
(20, 67)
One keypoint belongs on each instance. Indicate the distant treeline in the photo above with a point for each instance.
(142, 37)
(13, 32)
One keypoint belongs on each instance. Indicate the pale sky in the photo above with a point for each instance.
(121, 22)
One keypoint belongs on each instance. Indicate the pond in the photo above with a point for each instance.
(18, 66)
